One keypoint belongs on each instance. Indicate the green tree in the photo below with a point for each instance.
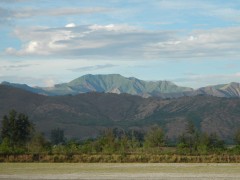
(23, 129)
(189, 141)
(124, 144)
(135, 139)
(154, 137)
(237, 137)
(57, 136)
(215, 143)
(190, 128)
(203, 143)
(38, 144)
(108, 141)
(16, 128)
(5, 147)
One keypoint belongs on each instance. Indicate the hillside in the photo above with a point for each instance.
(115, 83)
(224, 90)
(112, 83)
(86, 115)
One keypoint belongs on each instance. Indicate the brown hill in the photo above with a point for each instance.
(85, 115)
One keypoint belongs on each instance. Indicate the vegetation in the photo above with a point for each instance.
(83, 114)
(57, 136)
(16, 132)
(237, 137)
(20, 142)
(154, 138)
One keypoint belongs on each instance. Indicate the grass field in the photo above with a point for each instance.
(118, 171)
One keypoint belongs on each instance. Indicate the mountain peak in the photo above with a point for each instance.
(100, 75)
(116, 83)
(234, 84)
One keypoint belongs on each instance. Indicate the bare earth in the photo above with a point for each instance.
(118, 171)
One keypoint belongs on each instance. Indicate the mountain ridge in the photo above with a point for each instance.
(115, 83)
(86, 115)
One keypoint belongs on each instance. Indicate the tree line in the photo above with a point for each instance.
(18, 136)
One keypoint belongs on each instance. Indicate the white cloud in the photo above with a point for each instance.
(11, 51)
(202, 43)
(49, 82)
(45, 41)
(32, 47)
(202, 80)
(202, 8)
(123, 41)
(28, 13)
(70, 25)
(8, 15)
(225, 13)
(92, 68)
(112, 27)
(37, 41)
(15, 66)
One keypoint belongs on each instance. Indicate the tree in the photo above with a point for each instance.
(155, 137)
(189, 141)
(38, 144)
(5, 147)
(190, 128)
(23, 129)
(108, 141)
(237, 137)
(191, 135)
(57, 136)
(215, 142)
(136, 139)
(16, 128)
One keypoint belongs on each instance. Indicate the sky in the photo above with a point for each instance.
(192, 43)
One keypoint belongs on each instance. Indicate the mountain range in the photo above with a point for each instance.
(87, 114)
(115, 83)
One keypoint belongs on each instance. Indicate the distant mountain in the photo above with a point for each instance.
(224, 90)
(86, 115)
(36, 90)
(115, 83)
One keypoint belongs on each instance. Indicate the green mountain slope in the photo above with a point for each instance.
(115, 83)
(86, 115)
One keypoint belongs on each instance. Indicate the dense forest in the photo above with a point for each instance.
(21, 142)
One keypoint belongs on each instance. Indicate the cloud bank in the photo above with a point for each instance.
(123, 41)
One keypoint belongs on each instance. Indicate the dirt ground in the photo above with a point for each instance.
(118, 171)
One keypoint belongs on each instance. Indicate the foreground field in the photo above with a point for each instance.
(118, 171)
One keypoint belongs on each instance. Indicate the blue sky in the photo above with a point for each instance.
(193, 43)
